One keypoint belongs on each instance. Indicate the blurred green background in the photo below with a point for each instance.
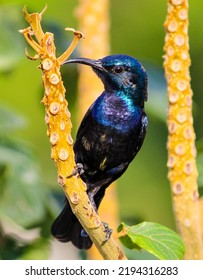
(29, 195)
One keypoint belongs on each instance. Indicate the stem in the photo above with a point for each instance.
(181, 140)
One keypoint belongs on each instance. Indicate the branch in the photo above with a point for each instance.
(181, 140)
(59, 132)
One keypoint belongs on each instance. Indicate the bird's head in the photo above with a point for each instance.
(119, 73)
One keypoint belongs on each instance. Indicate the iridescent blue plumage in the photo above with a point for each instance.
(116, 111)
(110, 135)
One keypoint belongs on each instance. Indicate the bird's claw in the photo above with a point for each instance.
(84, 233)
(108, 232)
(78, 170)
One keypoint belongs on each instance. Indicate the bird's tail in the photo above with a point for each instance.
(67, 228)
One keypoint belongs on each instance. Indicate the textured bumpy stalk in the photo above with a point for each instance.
(59, 132)
(181, 147)
(93, 20)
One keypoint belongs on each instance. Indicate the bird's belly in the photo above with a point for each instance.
(104, 149)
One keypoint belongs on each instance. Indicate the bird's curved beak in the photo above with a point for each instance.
(96, 64)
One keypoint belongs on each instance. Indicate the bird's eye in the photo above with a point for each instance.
(118, 69)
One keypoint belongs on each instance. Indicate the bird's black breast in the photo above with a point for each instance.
(104, 151)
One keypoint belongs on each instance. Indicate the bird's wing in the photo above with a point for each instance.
(142, 131)
(84, 121)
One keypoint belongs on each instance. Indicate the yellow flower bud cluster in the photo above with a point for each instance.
(181, 140)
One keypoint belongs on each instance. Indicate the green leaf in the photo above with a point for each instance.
(22, 194)
(10, 121)
(158, 240)
(39, 250)
(12, 44)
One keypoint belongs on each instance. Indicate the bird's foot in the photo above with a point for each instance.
(84, 233)
(78, 170)
(108, 232)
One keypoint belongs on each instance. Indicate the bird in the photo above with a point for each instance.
(108, 138)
